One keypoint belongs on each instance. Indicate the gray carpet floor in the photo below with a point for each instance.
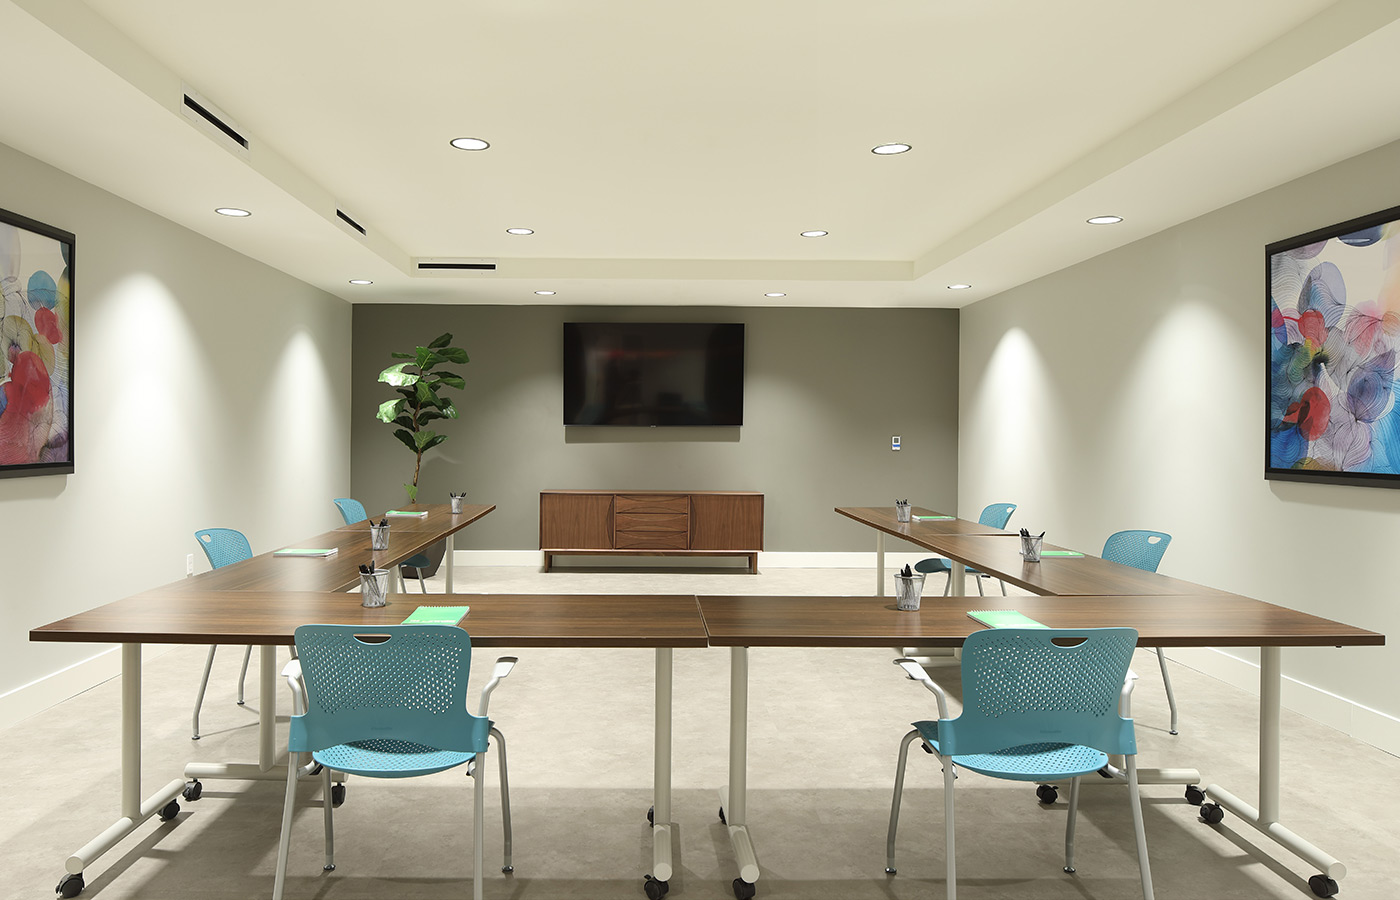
(824, 731)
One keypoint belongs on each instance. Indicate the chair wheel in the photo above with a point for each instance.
(1194, 795)
(1212, 813)
(193, 791)
(891, 870)
(337, 795)
(744, 890)
(170, 811)
(653, 888)
(721, 816)
(651, 815)
(1047, 793)
(1320, 884)
(72, 885)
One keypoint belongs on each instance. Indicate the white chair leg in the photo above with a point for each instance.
(199, 697)
(243, 673)
(1143, 866)
(479, 820)
(898, 796)
(948, 586)
(1167, 680)
(1069, 824)
(329, 808)
(949, 777)
(1003, 587)
(978, 579)
(422, 585)
(506, 867)
(285, 842)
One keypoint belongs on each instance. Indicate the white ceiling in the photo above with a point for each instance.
(669, 154)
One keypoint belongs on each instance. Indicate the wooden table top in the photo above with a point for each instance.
(1199, 620)
(883, 518)
(439, 519)
(270, 617)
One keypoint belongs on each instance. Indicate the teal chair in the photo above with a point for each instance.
(1020, 686)
(353, 511)
(1143, 550)
(388, 704)
(222, 547)
(994, 516)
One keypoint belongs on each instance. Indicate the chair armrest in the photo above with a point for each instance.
(916, 673)
(1125, 696)
(502, 669)
(292, 672)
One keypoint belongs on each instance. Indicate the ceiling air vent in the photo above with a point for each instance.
(212, 121)
(440, 264)
(349, 221)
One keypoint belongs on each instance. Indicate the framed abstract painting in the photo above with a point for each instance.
(1333, 323)
(36, 348)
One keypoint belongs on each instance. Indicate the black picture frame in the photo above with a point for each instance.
(37, 265)
(1332, 341)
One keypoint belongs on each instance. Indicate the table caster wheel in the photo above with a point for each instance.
(337, 795)
(743, 890)
(1069, 870)
(1212, 813)
(1194, 795)
(193, 791)
(506, 870)
(70, 886)
(651, 815)
(1047, 794)
(654, 889)
(891, 870)
(721, 816)
(1321, 885)
(170, 811)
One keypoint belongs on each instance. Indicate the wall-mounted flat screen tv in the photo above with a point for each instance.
(653, 373)
(1333, 333)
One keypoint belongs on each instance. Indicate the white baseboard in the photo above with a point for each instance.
(37, 696)
(776, 559)
(1347, 716)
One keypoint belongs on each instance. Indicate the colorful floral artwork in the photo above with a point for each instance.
(1334, 330)
(36, 348)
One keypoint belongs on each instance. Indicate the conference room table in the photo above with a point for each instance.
(1084, 591)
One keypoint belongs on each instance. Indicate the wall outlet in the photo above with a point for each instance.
(189, 563)
(894, 442)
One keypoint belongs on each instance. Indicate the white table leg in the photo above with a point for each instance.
(879, 564)
(733, 800)
(1265, 818)
(450, 557)
(661, 868)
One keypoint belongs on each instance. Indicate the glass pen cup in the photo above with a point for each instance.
(457, 504)
(908, 590)
(1030, 547)
(379, 537)
(374, 588)
(901, 512)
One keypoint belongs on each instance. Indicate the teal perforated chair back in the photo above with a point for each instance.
(351, 511)
(1139, 549)
(388, 683)
(996, 515)
(1028, 685)
(223, 546)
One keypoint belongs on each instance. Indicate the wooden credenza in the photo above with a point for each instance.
(651, 523)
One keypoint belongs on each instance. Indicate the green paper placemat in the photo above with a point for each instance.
(1060, 553)
(406, 512)
(305, 551)
(437, 615)
(1004, 618)
(926, 518)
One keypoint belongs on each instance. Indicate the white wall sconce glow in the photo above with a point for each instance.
(520, 231)
(814, 234)
(959, 287)
(465, 143)
(233, 211)
(891, 149)
(360, 281)
(545, 293)
(775, 294)
(1104, 220)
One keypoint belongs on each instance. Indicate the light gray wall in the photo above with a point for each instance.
(824, 391)
(1128, 392)
(208, 390)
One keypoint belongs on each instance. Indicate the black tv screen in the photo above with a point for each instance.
(647, 374)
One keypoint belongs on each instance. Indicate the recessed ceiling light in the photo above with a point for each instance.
(233, 211)
(469, 143)
(814, 234)
(520, 231)
(959, 287)
(360, 281)
(775, 294)
(1104, 220)
(545, 293)
(891, 149)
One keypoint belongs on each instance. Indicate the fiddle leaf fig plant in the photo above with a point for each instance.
(420, 401)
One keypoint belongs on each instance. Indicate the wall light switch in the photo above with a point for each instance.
(894, 442)
(189, 563)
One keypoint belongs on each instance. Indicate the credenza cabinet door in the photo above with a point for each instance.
(726, 521)
(573, 521)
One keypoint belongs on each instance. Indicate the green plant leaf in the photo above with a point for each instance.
(434, 441)
(389, 410)
(409, 394)
(449, 379)
(396, 375)
(429, 414)
(406, 437)
(401, 356)
(453, 354)
(426, 395)
(441, 340)
(422, 440)
(405, 421)
(412, 492)
(427, 358)
(449, 411)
